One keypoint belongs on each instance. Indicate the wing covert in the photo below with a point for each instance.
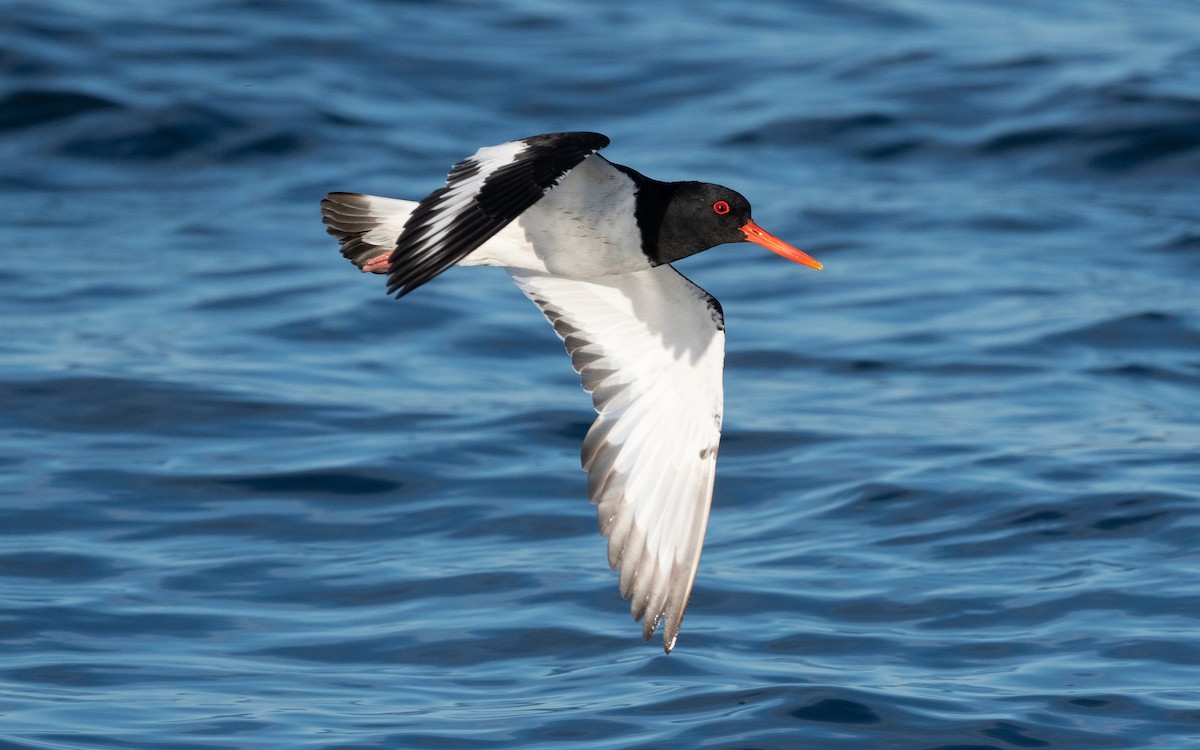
(483, 193)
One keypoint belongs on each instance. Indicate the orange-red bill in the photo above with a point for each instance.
(756, 234)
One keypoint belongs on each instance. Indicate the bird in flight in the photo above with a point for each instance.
(591, 243)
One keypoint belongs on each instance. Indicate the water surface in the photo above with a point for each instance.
(246, 500)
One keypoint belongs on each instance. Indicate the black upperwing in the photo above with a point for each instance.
(483, 193)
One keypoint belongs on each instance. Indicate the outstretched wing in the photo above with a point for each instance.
(650, 348)
(483, 193)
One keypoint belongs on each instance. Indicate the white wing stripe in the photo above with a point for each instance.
(461, 192)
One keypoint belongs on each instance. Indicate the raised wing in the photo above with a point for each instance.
(483, 193)
(650, 348)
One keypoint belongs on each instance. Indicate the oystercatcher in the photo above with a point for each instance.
(591, 243)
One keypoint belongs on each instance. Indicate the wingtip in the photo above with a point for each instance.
(600, 138)
(671, 633)
(590, 141)
(396, 288)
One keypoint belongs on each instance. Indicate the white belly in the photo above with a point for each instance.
(582, 228)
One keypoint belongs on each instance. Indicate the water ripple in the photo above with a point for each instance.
(246, 499)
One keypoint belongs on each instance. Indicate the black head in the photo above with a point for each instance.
(700, 215)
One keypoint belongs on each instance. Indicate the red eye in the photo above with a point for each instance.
(721, 207)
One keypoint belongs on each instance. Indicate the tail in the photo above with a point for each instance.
(367, 227)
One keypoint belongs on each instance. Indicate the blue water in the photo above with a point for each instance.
(247, 500)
